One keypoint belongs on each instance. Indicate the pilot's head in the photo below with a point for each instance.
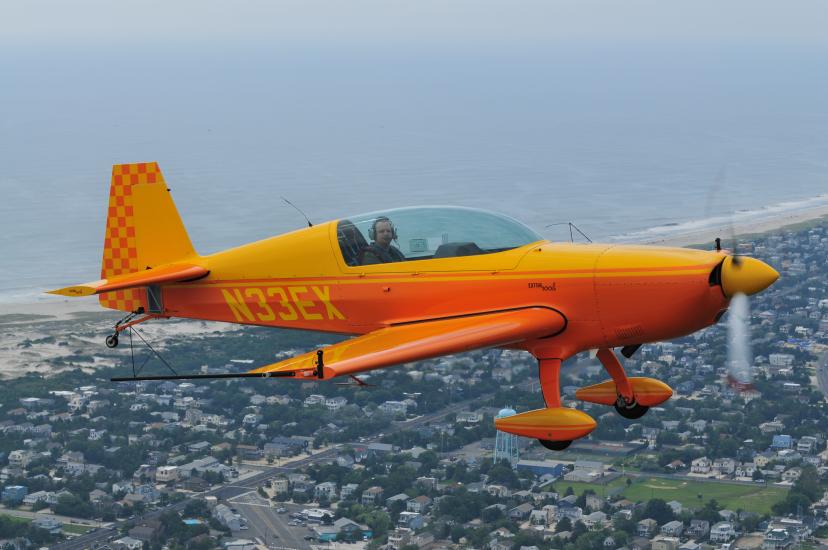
(383, 231)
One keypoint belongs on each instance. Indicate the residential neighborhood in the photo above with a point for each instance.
(411, 461)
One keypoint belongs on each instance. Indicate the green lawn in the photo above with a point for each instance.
(754, 498)
(76, 529)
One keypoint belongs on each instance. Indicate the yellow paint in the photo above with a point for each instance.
(250, 304)
(324, 294)
(291, 314)
(259, 296)
(238, 306)
(301, 304)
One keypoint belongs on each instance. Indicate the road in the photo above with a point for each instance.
(267, 525)
(822, 374)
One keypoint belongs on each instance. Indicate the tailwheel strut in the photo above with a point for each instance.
(128, 321)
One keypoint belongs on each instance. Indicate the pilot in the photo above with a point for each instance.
(381, 250)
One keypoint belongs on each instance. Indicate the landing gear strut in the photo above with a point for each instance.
(626, 404)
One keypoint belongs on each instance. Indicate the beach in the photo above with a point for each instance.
(36, 336)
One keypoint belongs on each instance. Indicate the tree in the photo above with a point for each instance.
(658, 510)
(565, 524)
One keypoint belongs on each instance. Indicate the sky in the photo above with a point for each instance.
(421, 22)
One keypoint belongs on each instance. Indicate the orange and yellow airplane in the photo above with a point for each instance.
(457, 279)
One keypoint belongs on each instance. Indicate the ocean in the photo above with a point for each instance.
(627, 142)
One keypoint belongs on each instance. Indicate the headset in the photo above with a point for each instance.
(372, 231)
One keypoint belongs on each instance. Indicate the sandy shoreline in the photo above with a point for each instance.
(726, 232)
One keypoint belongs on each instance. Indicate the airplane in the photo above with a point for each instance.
(465, 279)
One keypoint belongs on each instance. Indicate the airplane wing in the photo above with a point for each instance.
(162, 274)
(420, 340)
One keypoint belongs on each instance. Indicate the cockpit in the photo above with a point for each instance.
(430, 232)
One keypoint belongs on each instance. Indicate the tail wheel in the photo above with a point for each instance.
(555, 445)
(630, 411)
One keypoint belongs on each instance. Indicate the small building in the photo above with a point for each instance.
(127, 543)
(226, 517)
(14, 494)
(343, 529)
(47, 523)
(166, 474)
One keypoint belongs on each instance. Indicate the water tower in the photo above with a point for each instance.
(506, 446)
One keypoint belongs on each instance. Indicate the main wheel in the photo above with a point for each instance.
(632, 410)
(112, 340)
(555, 445)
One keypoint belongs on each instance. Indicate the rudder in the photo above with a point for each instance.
(143, 230)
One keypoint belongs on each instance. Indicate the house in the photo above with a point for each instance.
(701, 465)
(127, 543)
(325, 490)
(792, 474)
(410, 520)
(419, 504)
(665, 543)
(646, 528)
(722, 532)
(520, 512)
(698, 529)
(349, 489)
(782, 442)
(498, 491)
(393, 407)
(676, 507)
(49, 524)
(725, 466)
(806, 445)
(14, 494)
(372, 495)
(166, 474)
(777, 539)
(335, 403)
(594, 521)
(40, 496)
(672, 528)
(313, 400)
(469, 417)
(145, 532)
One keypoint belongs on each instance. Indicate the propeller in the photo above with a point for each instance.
(739, 357)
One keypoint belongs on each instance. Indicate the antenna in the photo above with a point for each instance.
(297, 209)
(571, 227)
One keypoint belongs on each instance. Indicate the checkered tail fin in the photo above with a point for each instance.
(143, 230)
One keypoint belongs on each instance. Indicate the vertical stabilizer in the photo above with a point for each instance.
(143, 230)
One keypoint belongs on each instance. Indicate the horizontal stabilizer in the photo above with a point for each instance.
(423, 340)
(162, 274)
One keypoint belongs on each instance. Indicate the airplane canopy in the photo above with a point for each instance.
(425, 232)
